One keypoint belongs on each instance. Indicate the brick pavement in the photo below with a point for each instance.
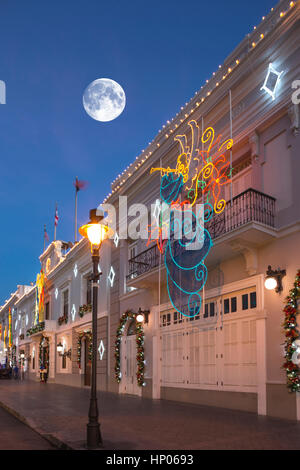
(135, 423)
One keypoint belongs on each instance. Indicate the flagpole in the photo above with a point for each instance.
(55, 222)
(76, 209)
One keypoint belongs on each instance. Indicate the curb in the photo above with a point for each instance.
(53, 440)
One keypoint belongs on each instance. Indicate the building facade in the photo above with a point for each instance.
(230, 354)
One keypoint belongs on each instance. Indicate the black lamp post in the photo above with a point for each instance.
(96, 233)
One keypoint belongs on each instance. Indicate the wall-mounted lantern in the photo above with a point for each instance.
(142, 316)
(274, 279)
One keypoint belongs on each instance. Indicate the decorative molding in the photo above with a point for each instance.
(249, 253)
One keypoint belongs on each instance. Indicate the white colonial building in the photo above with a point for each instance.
(231, 353)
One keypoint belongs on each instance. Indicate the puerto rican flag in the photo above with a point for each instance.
(56, 218)
(46, 237)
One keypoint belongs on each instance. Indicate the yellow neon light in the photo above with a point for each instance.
(215, 169)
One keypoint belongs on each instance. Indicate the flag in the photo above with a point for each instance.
(79, 184)
(46, 237)
(56, 218)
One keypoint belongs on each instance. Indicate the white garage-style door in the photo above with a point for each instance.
(217, 349)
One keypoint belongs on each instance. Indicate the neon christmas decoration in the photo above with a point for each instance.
(116, 239)
(40, 297)
(75, 270)
(111, 276)
(73, 312)
(9, 328)
(271, 81)
(101, 350)
(200, 172)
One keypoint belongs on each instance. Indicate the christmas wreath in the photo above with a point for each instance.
(291, 335)
(88, 336)
(140, 355)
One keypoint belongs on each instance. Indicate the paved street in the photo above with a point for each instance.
(15, 435)
(134, 423)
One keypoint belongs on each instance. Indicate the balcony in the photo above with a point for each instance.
(250, 218)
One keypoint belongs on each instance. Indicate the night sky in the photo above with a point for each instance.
(160, 52)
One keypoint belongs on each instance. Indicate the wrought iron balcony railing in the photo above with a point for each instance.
(249, 206)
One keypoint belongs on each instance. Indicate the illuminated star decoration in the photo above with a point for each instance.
(116, 239)
(56, 293)
(73, 312)
(111, 276)
(75, 270)
(101, 350)
(271, 81)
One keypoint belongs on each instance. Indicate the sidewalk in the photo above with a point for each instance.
(60, 412)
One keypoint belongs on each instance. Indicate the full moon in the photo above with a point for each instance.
(104, 99)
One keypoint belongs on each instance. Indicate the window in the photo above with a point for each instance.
(211, 309)
(47, 311)
(245, 302)
(166, 319)
(66, 302)
(226, 306)
(177, 317)
(89, 291)
(206, 311)
(252, 299)
(233, 304)
(64, 361)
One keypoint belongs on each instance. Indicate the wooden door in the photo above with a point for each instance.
(131, 385)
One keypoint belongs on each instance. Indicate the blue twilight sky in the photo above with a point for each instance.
(160, 51)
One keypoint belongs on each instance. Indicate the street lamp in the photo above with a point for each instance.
(95, 232)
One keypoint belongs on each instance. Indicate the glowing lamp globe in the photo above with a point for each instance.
(60, 348)
(270, 283)
(140, 318)
(94, 231)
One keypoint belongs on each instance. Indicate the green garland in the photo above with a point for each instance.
(88, 335)
(36, 329)
(44, 363)
(83, 309)
(291, 334)
(140, 355)
(13, 355)
(63, 319)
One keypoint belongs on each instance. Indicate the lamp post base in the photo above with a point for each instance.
(94, 440)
